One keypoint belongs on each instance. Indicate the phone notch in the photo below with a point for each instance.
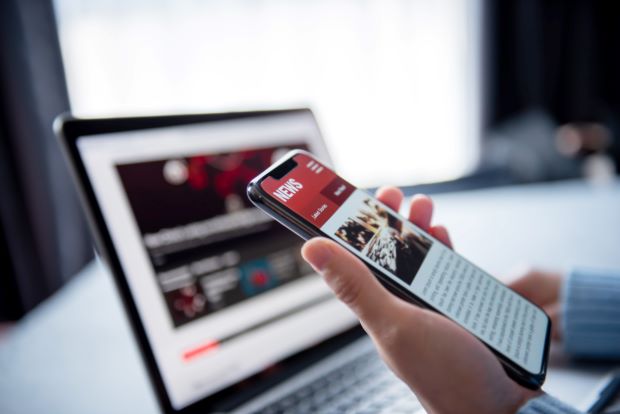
(283, 169)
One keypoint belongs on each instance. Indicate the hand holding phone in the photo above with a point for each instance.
(429, 352)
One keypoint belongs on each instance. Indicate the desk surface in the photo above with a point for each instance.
(75, 352)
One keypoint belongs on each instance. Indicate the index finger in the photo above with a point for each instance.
(391, 196)
(421, 211)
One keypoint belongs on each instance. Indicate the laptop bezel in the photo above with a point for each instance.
(69, 130)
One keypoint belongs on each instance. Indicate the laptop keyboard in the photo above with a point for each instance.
(364, 385)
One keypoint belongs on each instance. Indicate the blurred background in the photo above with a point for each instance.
(433, 96)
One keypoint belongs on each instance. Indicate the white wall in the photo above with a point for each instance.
(393, 82)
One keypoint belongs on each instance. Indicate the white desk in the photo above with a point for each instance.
(75, 353)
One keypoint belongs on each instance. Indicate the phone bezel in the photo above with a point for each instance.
(306, 230)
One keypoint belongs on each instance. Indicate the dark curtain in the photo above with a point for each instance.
(561, 57)
(43, 238)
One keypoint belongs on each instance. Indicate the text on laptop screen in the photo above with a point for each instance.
(221, 289)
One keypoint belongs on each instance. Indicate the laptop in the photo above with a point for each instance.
(227, 315)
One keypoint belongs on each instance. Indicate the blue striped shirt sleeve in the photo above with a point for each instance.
(590, 326)
(591, 317)
(546, 404)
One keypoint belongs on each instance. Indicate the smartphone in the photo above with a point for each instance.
(310, 199)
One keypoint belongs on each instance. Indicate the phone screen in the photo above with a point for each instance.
(398, 249)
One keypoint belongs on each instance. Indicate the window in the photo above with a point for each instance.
(394, 83)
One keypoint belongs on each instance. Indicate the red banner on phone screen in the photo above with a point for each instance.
(315, 192)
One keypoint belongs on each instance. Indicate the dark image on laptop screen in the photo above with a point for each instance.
(204, 239)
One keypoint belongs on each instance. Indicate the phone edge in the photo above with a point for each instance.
(260, 199)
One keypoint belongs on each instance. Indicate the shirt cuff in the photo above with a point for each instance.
(591, 317)
(546, 404)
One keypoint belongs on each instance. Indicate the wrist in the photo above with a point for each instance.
(525, 397)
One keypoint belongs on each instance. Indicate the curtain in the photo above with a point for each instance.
(44, 239)
(556, 57)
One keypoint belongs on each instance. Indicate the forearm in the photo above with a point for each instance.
(591, 318)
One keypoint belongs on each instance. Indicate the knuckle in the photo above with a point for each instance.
(344, 288)
(533, 272)
(389, 335)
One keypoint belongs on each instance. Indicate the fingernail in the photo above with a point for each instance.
(317, 255)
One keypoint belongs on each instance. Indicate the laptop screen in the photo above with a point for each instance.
(221, 289)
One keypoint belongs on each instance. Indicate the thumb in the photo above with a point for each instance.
(353, 283)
